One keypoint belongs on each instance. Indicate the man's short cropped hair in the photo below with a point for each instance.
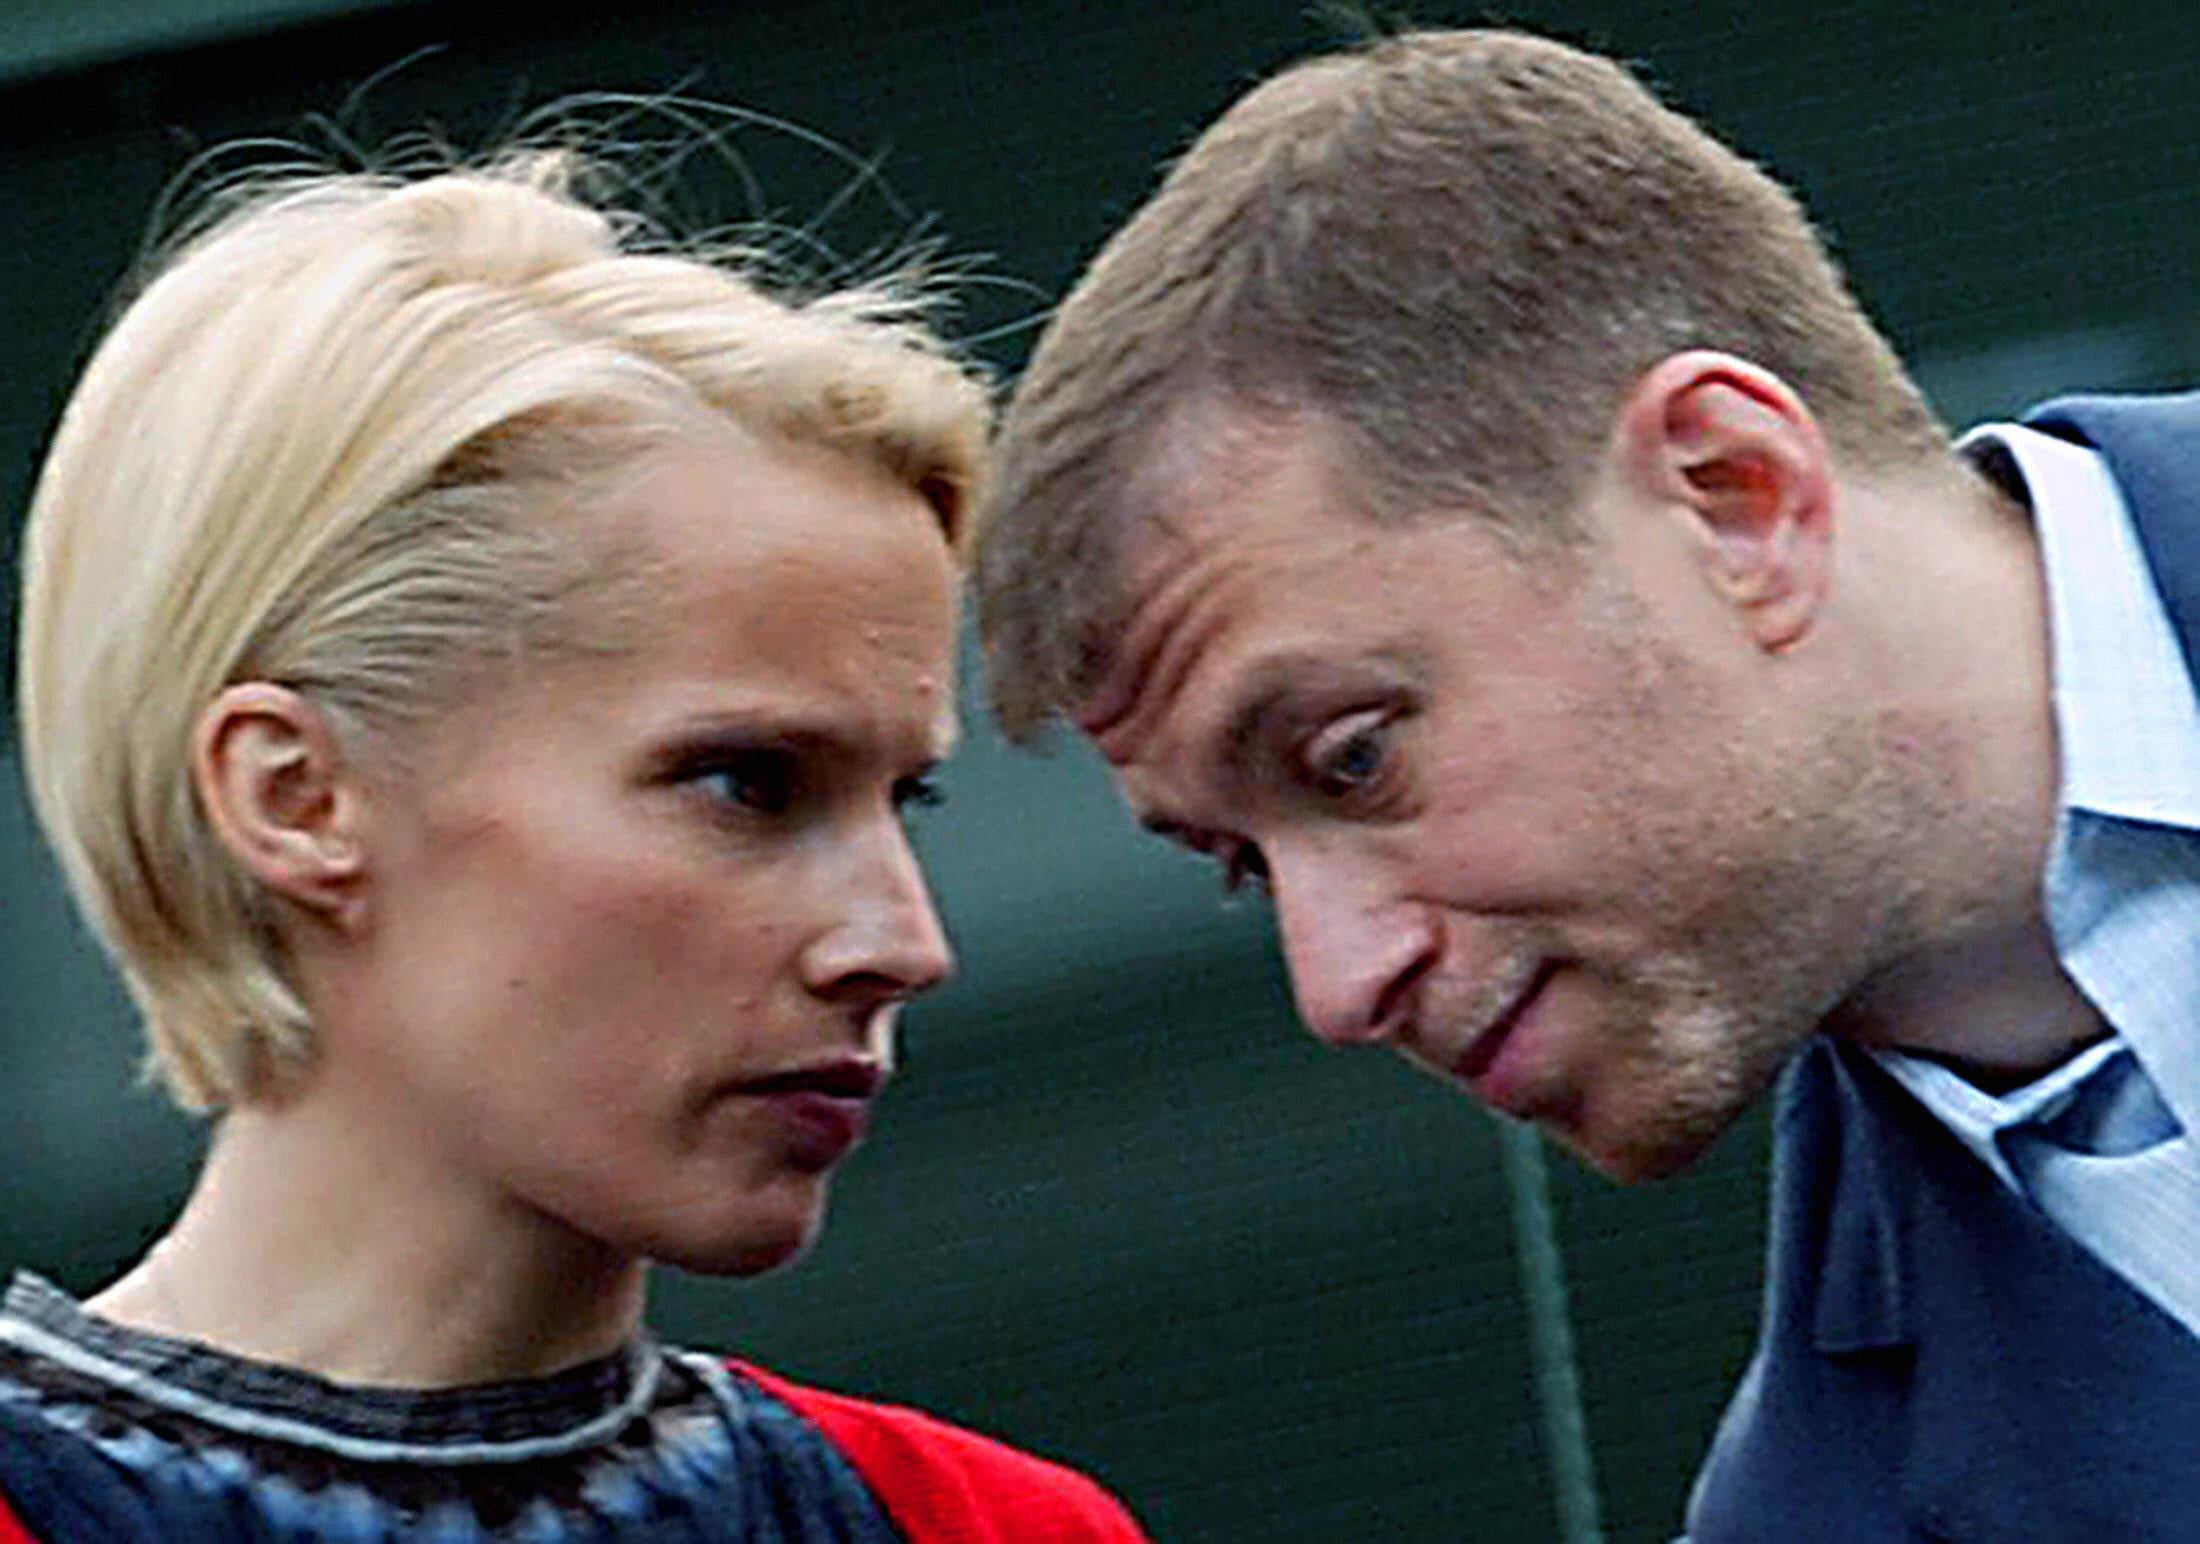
(344, 439)
(1456, 251)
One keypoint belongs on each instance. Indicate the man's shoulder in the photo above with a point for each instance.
(2152, 446)
(945, 1484)
(2088, 417)
(1908, 1289)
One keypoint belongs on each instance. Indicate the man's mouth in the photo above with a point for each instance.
(1483, 1050)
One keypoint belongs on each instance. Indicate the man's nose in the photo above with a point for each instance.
(1356, 951)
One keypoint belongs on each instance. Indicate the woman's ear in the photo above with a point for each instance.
(271, 777)
(1733, 448)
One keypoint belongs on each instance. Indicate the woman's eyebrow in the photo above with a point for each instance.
(803, 728)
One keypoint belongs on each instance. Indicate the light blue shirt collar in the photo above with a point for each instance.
(2126, 716)
(2107, 1145)
(2127, 724)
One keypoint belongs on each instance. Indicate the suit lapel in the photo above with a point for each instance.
(2041, 1384)
(1860, 1300)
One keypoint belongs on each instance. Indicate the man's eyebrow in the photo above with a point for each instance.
(1265, 689)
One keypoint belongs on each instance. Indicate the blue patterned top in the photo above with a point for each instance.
(111, 1435)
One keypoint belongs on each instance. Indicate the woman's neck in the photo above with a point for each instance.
(341, 1248)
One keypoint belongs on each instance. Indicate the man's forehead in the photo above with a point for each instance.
(1210, 471)
(1208, 444)
(1225, 507)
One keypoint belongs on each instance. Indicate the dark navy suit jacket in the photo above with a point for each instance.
(1937, 1361)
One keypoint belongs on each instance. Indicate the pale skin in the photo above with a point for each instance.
(1602, 833)
(565, 961)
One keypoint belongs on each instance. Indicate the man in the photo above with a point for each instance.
(1467, 502)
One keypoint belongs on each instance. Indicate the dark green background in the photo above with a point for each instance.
(1120, 1209)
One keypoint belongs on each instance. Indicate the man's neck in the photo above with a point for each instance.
(1960, 606)
(1997, 1008)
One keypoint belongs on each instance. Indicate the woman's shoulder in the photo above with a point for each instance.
(12, 1530)
(945, 1484)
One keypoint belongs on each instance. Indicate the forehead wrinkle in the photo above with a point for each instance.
(1162, 649)
(1206, 448)
(1118, 696)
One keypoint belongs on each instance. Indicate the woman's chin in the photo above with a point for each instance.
(699, 1219)
(747, 1257)
(749, 1246)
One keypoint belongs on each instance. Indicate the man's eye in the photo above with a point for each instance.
(1351, 755)
(762, 781)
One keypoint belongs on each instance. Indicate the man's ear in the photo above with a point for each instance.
(1735, 449)
(271, 777)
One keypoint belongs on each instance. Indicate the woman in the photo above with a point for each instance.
(472, 672)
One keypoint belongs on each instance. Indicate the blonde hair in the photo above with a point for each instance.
(325, 446)
(1458, 250)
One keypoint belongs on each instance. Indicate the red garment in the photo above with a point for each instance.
(11, 1531)
(944, 1485)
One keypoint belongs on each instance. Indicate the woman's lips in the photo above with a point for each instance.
(825, 1108)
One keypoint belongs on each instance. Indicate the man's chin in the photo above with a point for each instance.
(1640, 1157)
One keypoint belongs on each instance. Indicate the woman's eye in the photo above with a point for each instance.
(1351, 755)
(921, 792)
(761, 781)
